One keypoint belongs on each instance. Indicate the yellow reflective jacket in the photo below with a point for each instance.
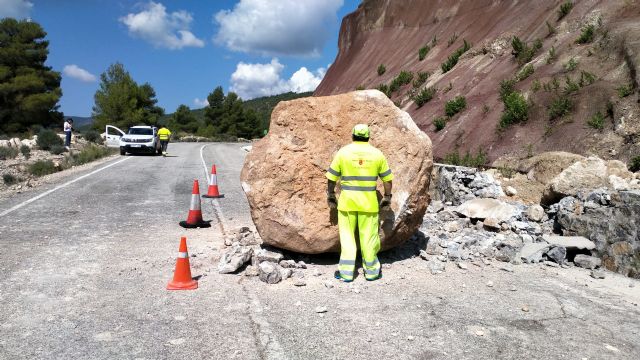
(358, 166)
(164, 134)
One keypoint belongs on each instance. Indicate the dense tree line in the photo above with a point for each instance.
(224, 117)
(194, 121)
(29, 90)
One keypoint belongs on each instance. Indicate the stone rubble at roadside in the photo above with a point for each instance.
(470, 219)
(473, 222)
(246, 255)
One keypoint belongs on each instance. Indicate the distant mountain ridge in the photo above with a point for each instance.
(80, 120)
(81, 123)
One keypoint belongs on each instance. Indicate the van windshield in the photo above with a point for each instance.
(140, 131)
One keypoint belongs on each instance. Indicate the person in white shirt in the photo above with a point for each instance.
(68, 126)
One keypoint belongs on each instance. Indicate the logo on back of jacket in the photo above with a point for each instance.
(362, 163)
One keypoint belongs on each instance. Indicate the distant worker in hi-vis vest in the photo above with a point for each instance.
(358, 166)
(164, 135)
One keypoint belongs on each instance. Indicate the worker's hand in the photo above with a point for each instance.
(331, 200)
(385, 203)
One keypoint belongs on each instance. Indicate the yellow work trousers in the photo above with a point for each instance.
(367, 223)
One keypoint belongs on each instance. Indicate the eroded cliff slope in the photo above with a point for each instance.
(570, 78)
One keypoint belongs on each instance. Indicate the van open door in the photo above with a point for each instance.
(112, 136)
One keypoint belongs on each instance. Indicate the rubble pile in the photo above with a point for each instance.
(246, 255)
(457, 184)
(472, 221)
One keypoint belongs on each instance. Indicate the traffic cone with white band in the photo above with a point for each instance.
(213, 185)
(194, 219)
(182, 275)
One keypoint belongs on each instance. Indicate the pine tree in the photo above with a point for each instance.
(213, 111)
(183, 120)
(122, 103)
(29, 90)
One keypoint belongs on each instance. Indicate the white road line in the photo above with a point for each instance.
(27, 202)
(268, 341)
(216, 205)
(271, 348)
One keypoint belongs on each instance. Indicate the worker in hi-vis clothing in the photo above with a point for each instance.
(358, 166)
(164, 135)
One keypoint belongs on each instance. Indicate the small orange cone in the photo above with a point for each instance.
(213, 185)
(182, 275)
(194, 219)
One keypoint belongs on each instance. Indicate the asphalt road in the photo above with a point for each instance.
(84, 270)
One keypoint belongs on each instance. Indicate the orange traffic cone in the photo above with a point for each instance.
(194, 219)
(182, 275)
(213, 185)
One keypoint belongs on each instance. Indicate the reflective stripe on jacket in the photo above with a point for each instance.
(358, 166)
(164, 134)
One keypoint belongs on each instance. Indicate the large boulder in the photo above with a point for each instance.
(588, 174)
(546, 166)
(487, 209)
(29, 143)
(570, 242)
(284, 174)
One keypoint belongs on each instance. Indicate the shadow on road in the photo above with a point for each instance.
(409, 249)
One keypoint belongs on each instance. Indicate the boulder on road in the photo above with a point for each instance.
(532, 253)
(284, 174)
(587, 262)
(487, 208)
(557, 254)
(570, 242)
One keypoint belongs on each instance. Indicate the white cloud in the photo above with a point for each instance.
(161, 29)
(256, 80)
(200, 103)
(283, 27)
(304, 80)
(76, 72)
(18, 9)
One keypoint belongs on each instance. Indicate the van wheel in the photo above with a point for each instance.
(123, 151)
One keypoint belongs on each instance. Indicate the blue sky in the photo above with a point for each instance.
(184, 49)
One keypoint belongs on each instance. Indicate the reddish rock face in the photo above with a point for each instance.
(283, 175)
(391, 32)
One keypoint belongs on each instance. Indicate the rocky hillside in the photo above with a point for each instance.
(566, 70)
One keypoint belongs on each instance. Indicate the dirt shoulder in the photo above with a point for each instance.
(33, 182)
